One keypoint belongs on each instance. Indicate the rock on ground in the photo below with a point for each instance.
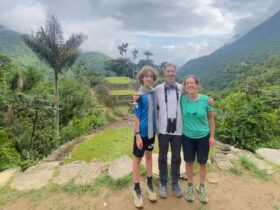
(90, 172)
(223, 161)
(120, 167)
(80, 171)
(272, 155)
(68, 172)
(5, 176)
(225, 154)
(35, 177)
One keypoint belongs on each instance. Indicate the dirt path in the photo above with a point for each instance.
(231, 193)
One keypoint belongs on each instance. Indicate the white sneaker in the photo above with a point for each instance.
(152, 196)
(138, 199)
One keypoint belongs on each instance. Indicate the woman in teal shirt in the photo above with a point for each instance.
(198, 134)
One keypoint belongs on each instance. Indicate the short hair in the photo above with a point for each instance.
(169, 64)
(196, 80)
(143, 71)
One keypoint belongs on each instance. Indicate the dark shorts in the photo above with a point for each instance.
(195, 148)
(148, 144)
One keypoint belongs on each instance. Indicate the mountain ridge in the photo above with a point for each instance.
(12, 45)
(221, 65)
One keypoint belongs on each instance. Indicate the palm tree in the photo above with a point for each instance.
(125, 45)
(134, 54)
(49, 45)
(148, 54)
(121, 50)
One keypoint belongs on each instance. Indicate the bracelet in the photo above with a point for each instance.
(137, 133)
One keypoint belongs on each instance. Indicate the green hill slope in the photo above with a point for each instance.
(218, 69)
(94, 60)
(12, 45)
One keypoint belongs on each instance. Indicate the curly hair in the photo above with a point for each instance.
(143, 71)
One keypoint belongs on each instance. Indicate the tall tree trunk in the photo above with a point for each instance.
(33, 130)
(56, 104)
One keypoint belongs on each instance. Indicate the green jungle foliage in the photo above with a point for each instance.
(248, 116)
(27, 114)
(9, 157)
(122, 67)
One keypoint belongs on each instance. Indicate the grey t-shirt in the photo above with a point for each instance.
(172, 105)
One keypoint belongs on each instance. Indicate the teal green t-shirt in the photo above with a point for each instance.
(195, 116)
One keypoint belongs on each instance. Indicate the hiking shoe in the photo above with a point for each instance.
(202, 194)
(152, 196)
(162, 191)
(138, 199)
(177, 190)
(190, 195)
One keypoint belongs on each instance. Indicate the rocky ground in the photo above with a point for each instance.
(231, 192)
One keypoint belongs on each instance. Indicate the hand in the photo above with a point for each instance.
(135, 97)
(211, 141)
(139, 142)
(211, 101)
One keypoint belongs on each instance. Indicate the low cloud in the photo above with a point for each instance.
(23, 17)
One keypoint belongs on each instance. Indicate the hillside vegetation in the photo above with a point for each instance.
(12, 45)
(248, 110)
(221, 67)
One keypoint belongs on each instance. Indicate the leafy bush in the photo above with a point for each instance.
(33, 127)
(77, 127)
(247, 122)
(8, 154)
(76, 100)
(32, 75)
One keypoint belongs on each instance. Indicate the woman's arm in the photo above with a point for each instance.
(139, 142)
(211, 121)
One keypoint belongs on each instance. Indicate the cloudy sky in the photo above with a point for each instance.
(173, 32)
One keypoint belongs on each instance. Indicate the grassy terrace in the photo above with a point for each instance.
(119, 80)
(106, 145)
(121, 92)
